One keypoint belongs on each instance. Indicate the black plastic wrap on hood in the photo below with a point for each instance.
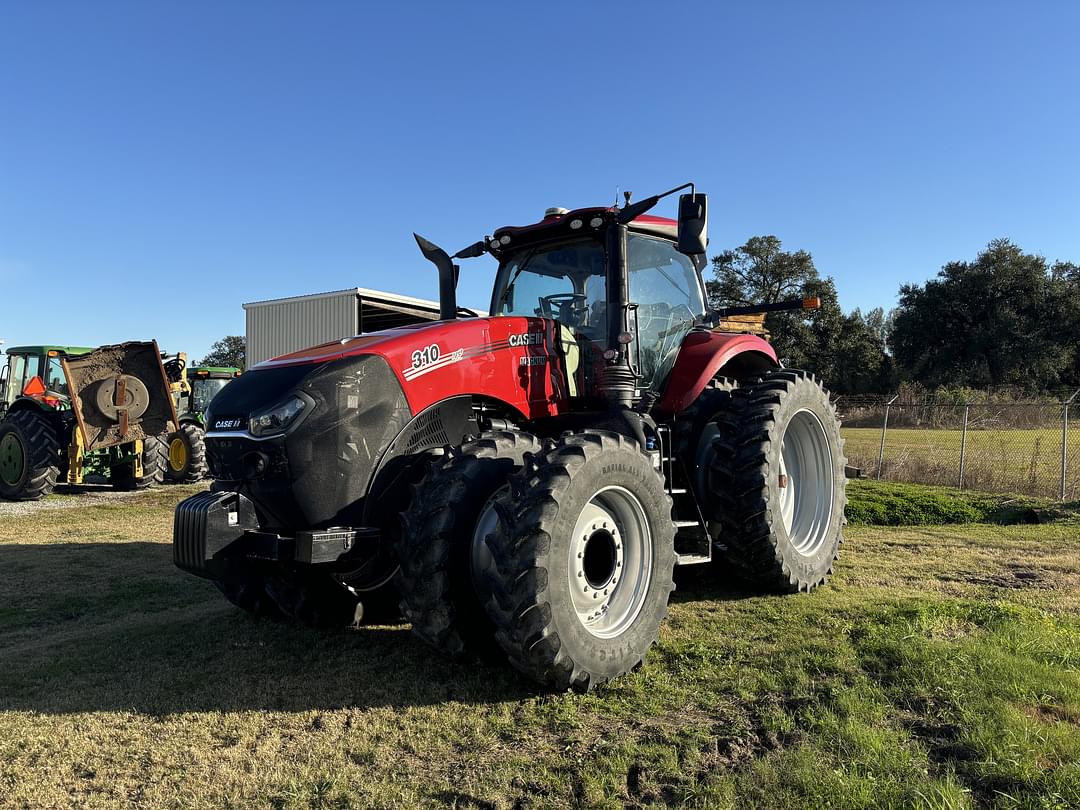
(317, 473)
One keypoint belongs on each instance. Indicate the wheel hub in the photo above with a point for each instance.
(610, 562)
(12, 459)
(177, 454)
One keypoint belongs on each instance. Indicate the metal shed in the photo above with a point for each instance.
(284, 325)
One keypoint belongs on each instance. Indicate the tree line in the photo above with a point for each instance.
(1008, 318)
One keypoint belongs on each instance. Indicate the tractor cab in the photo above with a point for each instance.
(205, 383)
(36, 372)
(186, 445)
(558, 270)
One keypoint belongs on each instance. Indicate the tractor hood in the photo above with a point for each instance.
(527, 363)
(304, 434)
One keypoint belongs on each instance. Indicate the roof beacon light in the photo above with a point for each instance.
(556, 211)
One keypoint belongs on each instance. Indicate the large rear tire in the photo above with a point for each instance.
(29, 456)
(583, 563)
(777, 482)
(443, 550)
(186, 455)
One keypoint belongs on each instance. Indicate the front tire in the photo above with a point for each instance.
(29, 456)
(777, 481)
(583, 564)
(442, 549)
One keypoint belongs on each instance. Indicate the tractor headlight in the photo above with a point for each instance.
(278, 418)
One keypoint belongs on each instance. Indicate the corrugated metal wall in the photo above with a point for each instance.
(278, 327)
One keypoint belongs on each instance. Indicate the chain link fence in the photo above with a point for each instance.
(1028, 448)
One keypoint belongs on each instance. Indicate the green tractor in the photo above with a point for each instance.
(70, 412)
(187, 447)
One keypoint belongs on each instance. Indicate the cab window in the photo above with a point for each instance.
(55, 380)
(664, 285)
(26, 368)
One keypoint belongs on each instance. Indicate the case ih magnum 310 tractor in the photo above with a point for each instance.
(525, 482)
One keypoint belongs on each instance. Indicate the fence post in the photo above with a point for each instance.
(963, 447)
(1065, 441)
(884, 428)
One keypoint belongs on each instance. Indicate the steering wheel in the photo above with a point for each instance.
(567, 308)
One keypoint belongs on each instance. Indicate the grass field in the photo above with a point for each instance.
(1025, 461)
(940, 668)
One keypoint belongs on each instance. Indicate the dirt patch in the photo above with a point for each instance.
(1053, 714)
(1016, 576)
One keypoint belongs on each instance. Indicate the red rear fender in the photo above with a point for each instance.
(704, 355)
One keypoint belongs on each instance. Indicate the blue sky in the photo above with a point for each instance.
(161, 163)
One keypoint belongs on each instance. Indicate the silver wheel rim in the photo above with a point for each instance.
(610, 565)
(806, 482)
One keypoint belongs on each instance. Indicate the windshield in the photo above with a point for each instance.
(564, 282)
(203, 391)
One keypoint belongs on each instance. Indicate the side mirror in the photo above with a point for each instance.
(693, 224)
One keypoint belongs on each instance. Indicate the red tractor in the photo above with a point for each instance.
(525, 482)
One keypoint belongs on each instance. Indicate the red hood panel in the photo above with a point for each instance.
(520, 361)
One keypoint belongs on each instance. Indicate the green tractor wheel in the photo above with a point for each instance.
(186, 454)
(29, 457)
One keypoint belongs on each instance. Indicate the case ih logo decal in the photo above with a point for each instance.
(527, 339)
(431, 357)
(227, 424)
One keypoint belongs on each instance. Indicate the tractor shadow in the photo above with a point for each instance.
(713, 582)
(115, 627)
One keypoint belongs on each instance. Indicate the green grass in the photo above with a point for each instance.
(883, 503)
(940, 668)
(1021, 461)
